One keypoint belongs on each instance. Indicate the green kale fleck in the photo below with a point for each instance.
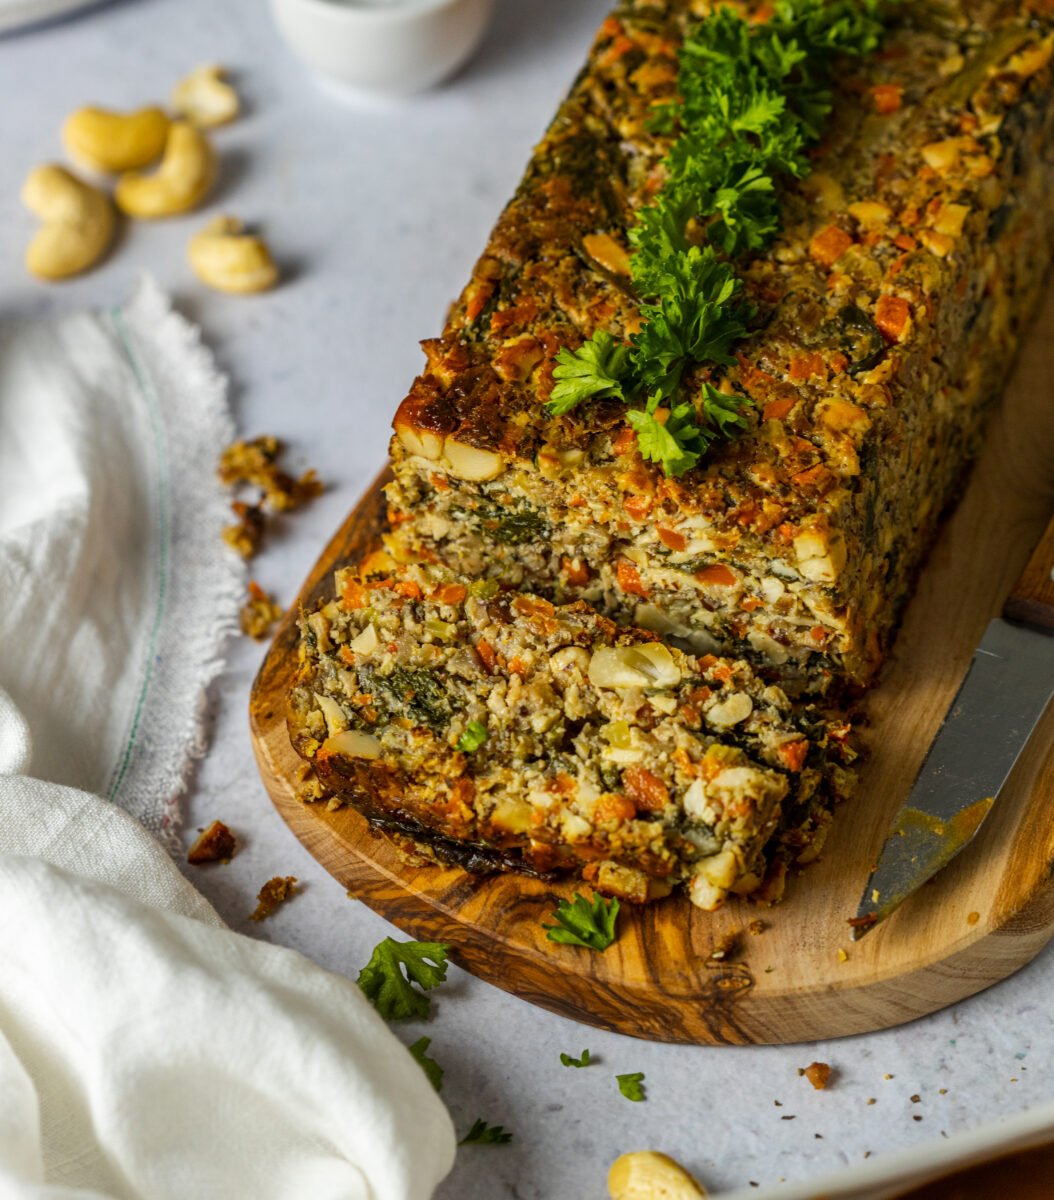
(631, 1086)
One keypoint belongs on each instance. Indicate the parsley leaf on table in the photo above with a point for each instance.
(389, 990)
(429, 1065)
(631, 1085)
(582, 923)
(482, 1134)
(570, 1061)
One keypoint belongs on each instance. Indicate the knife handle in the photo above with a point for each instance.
(1032, 599)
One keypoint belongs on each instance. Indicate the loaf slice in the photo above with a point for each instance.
(889, 311)
(497, 730)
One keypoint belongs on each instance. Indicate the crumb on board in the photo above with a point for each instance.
(259, 613)
(214, 843)
(725, 948)
(247, 533)
(842, 955)
(757, 926)
(973, 918)
(887, 1076)
(871, 1100)
(255, 462)
(274, 892)
(818, 1074)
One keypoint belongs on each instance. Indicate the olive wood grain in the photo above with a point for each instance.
(1032, 599)
(980, 920)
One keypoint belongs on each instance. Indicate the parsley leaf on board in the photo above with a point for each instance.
(482, 1134)
(582, 923)
(631, 1086)
(570, 1061)
(474, 736)
(429, 1065)
(751, 99)
(390, 991)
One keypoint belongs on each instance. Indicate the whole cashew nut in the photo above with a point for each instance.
(111, 141)
(649, 1175)
(205, 98)
(78, 223)
(227, 258)
(183, 179)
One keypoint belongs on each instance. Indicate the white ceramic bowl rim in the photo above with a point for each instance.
(378, 12)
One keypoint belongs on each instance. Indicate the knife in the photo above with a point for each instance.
(999, 703)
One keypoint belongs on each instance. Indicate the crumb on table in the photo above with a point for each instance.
(259, 613)
(215, 843)
(818, 1074)
(274, 892)
(256, 462)
(245, 536)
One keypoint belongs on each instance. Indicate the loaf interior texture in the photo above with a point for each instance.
(496, 729)
(889, 312)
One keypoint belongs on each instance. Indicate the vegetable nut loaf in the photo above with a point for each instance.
(497, 730)
(886, 314)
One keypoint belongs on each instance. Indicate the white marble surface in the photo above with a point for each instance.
(377, 213)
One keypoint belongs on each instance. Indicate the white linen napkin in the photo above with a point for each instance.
(145, 1050)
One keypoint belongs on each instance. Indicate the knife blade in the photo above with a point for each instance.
(1005, 692)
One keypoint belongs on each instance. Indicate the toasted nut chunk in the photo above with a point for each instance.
(650, 1175)
(227, 258)
(472, 463)
(424, 442)
(205, 98)
(215, 843)
(650, 665)
(352, 743)
(78, 223)
(818, 1074)
(180, 183)
(274, 892)
(111, 141)
(730, 712)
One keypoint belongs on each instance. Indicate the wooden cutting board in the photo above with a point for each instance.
(801, 979)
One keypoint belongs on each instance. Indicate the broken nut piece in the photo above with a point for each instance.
(226, 258)
(205, 98)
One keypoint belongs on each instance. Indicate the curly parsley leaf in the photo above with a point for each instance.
(597, 369)
(390, 990)
(631, 1086)
(429, 1065)
(570, 1061)
(582, 923)
(482, 1134)
(474, 736)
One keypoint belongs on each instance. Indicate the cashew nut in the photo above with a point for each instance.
(205, 98)
(649, 1175)
(225, 257)
(113, 141)
(78, 223)
(184, 177)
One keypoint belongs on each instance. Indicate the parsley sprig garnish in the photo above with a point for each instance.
(582, 923)
(429, 1065)
(752, 98)
(487, 1135)
(390, 990)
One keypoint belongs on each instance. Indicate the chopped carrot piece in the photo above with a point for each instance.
(717, 574)
(818, 634)
(671, 538)
(612, 807)
(347, 656)
(518, 666)
(749, 603)
(828, 246)
(575, 571)
(463, 790)
(778, 409)
(439, 482)
(887, 97)
(802, 367)
(625, 441)
(629, 579)
(487, 653)
(354, 594)
(793, 754)
(816, 479)
(647, 791)
(449, 593)
(409, 589)
(892, 316)
(722, 672)
(638, 506)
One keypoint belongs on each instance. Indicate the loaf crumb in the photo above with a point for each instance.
(274, 892)
(255, 462)
(818, 1074)
(214, 843)
(259, 613)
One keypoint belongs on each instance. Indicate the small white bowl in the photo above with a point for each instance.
(394, 47)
